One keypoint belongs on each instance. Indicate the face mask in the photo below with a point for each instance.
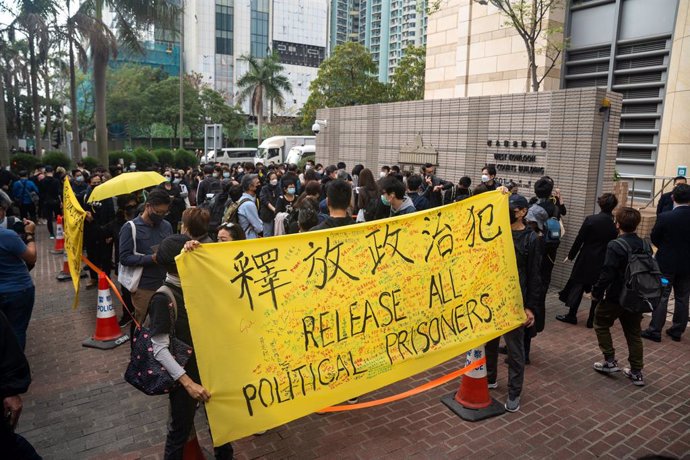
(308, 167)
(155, 218)
(79, 178)
(274, 182)
(132, 166)
(240, 170)
(214, 174)
(226, 175)
(385, 201)
(130, 211)
(485, 178)
(513, 217)
(168, 178)
(177, 180)
(291, 190)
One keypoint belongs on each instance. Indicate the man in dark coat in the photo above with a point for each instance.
(588, 252)
(665, 200)
(670, 236)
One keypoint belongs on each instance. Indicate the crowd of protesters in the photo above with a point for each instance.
(220, 202)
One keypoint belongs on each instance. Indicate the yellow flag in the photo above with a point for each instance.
(285, 326)
(74, 235)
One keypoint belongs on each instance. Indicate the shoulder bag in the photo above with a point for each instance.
(128, 276)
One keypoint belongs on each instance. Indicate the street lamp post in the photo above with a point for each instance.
(181, 123)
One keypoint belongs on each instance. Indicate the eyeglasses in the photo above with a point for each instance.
(166, 175)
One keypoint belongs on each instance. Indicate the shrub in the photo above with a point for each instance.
(91, 163)
(115, 155)
(185, 159)
(23, 162)
(56, 159)
(145, 160)
(165, 157)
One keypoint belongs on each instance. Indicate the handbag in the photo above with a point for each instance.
(144, 372)
(129, 277)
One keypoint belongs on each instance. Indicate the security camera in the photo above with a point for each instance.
(316, 128)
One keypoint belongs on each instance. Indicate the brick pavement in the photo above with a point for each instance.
(79, 407)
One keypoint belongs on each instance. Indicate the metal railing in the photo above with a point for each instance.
(665, 182)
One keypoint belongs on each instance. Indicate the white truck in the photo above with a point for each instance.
(275, 149)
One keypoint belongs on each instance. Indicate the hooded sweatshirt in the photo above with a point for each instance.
(406, 207)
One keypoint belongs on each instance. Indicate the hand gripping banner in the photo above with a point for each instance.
(285, 326)
(74, 235)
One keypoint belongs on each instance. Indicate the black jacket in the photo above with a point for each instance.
(665, 203)
(436, 198)
(15, 376)
(589, 247)
(529, 254)
(671, 234)
(612, 273)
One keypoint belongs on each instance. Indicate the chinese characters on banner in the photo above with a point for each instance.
(285, 326)
(74, 236)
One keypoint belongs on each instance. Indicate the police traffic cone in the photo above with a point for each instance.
(192, 449)
(63, 275)
(472, 401)
(108, 334)
(59, 238)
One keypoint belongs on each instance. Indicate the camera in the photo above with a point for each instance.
(316, 128)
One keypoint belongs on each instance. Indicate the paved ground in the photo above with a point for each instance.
(79, 407)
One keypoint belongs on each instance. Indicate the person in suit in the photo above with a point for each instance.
(588, 252)
(670, 236)
(665, 200)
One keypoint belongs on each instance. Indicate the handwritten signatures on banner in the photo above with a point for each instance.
(313, 318)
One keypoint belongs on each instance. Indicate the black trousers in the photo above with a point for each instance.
(50, 210)
(101, 254)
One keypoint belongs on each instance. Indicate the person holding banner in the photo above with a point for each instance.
(184, 397)
(528, 253)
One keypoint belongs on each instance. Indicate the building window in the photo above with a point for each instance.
(224, 17)
(259, 28)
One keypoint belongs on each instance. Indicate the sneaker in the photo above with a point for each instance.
(353, 400)
(503, 350)
(635, 376)
(492, 386)
(606, 366)
(513, 404)
(52, 237)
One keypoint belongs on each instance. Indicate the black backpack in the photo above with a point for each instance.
(642, 280)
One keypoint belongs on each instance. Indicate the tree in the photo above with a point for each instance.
(163, 104)
(4, 145)
(215, 109)
(263, 81)
(130, 17)
(348, 77)
(407, 82)
(529, 19)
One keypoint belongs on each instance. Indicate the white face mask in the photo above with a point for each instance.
(274, 182)
(215, 174)
(382, 174)
(485, 178)
(240, 170)
(308, 167)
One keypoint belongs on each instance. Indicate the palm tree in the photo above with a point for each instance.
(130, 17)
(33, 17)
(263, 81)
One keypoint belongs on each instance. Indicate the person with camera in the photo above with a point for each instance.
(17, 257)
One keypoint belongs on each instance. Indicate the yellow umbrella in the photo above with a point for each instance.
(125, 183)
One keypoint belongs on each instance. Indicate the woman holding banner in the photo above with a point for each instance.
(183, 398)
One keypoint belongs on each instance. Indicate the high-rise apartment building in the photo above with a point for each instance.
(384, 27)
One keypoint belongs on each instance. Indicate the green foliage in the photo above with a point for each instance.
(165, 157)
(163, 104)
(185, 159)
(215, 109)
(115, 155)
(407, 82)
(23, 162)
(56, 159)
(346, 78)
(144, 159)
(91, 163)
(124, 100)
(264, 81)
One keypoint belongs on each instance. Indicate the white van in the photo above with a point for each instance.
(296, 154)
(275, 149)
(231, 155)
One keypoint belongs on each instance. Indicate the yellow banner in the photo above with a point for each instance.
(285, 326)
(73, 222)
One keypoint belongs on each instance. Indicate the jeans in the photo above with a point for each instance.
(605, 315)
(516, 360)
(268, 229)
(681, 289)
(17, 306)
(182, 409)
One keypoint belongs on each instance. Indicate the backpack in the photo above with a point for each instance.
(231, 214)
(642, 285)
(290, 220)
(216, 207)
(552, 228)
(215, 188)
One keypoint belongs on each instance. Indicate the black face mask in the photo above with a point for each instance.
(130, 211)
(513, 217)
(156, 218)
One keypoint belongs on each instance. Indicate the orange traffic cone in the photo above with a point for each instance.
(64, 275)
(59, 238)
(472, 401)
(108, 334)
(192, 449)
